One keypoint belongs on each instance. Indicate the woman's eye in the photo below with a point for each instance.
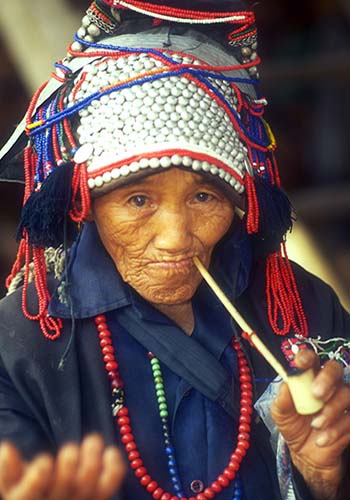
(138, 200)
(203, 197)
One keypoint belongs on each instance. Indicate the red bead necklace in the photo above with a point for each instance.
(121, 414)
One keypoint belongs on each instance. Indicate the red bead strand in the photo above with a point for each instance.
(123, 421)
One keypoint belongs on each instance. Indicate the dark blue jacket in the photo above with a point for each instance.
(44, 404)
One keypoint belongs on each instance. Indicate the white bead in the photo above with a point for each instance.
(183, 101)
(138, 125)
(135, 166)
(154, 162)
(214, 170)
(81, 32)
(176, 92)
(232, 182)
(98, 181)
(107, 177)
(164, 116)
(187, 161)
(121, 63)
(77, 47)
(227, 177)
(124, 170)
(196, 165)
(115, 173)
(172, 100)
(206, 166)
(144, 162)
(148, 125)
(165, 162)
(128, 94)
(164, 92)
(161, 100)
(91, 183)
(86, 21)
(151, 114)
(221, 173)
(89, 38)
(169, 108)
(176, 160)
(148, 101)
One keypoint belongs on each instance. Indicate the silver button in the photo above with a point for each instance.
(197, 486)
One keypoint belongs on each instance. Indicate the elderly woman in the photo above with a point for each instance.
(146, 150)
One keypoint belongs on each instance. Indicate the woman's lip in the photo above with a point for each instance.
(173, 264)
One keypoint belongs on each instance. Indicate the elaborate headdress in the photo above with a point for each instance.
(146, 86)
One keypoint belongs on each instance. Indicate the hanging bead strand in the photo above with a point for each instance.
(121, 414)
(163, 413)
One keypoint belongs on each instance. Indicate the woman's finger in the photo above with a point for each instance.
(336, 406)
(113, 473)
(90, 467)
(337, 435)
(65, 472)
(11, 467)
(328, 380)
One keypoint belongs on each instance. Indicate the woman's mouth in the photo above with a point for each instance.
(173, 265)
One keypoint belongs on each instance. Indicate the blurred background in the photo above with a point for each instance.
(305, 47)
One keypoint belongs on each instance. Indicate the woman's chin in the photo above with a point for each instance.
(169, 296)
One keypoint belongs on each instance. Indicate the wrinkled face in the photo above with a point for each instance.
(154, 227)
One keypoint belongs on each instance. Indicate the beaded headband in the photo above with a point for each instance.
(140, 91)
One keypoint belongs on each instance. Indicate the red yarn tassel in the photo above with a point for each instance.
(51, 327)
(80, 193)
(253, 206)
(284, 306)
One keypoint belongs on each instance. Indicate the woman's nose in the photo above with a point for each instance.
(173, 231)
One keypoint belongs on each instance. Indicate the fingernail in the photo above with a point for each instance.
(322, 439)
(317, 390)
(318, 422)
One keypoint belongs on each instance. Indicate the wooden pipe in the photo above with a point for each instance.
(299, 383)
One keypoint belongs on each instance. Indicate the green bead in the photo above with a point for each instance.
(160, 392)
(161, 399)
(154, 361)
(163, 413)
(157, 373)
(159, 386)
(163, 406)
(158, 380)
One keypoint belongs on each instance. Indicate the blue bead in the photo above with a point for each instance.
(173, 471)
(169, 450)
(171, 463)
(177, 487)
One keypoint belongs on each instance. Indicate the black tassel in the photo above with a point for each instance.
(44, 214)
(275, 215)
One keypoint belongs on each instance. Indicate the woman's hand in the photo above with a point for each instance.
(317, 442)
(89, 471)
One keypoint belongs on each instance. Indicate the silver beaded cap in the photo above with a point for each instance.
(170, 121)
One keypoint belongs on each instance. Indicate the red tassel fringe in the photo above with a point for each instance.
(284, 306)
(252, 206)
